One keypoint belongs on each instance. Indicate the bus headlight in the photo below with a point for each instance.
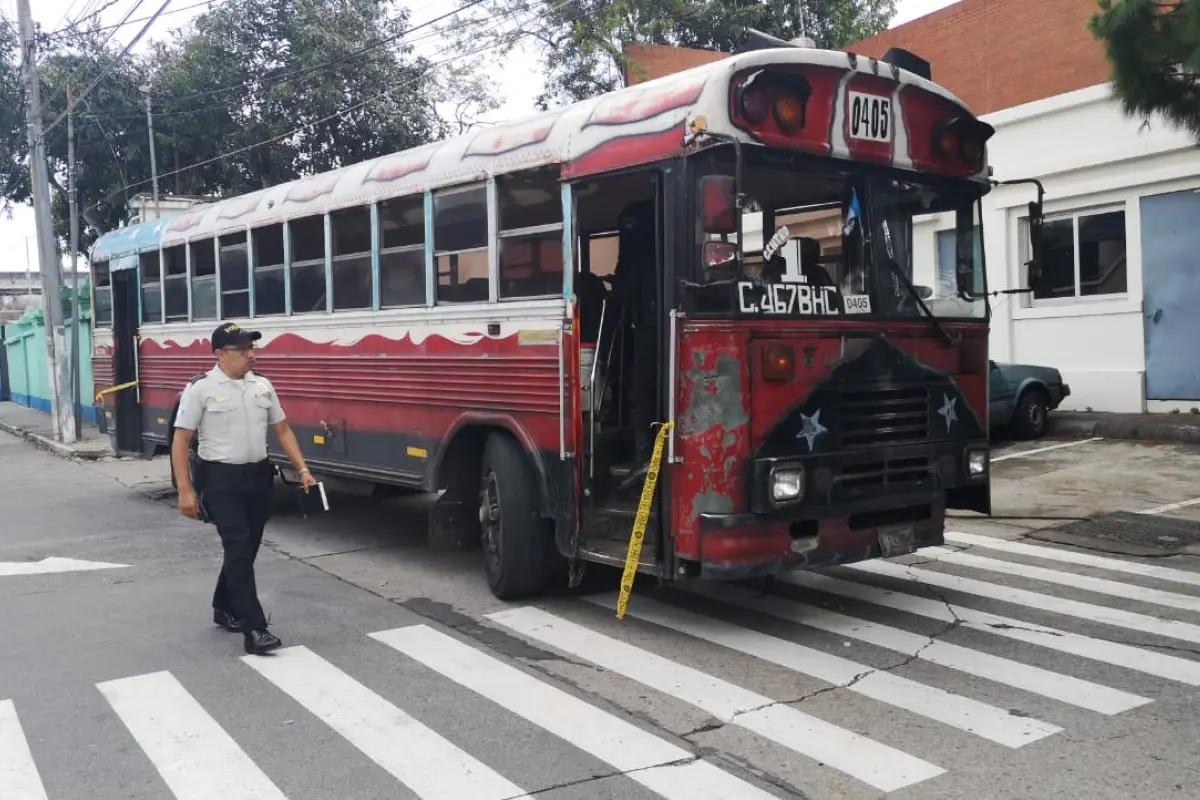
(977, 462)
(787, 485)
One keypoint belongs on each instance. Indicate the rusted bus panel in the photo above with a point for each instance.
(502, 384)
(378, 385)
(713, 429)
(729, 412)
(103, 370)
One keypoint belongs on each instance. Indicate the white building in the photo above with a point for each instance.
(1118, 307)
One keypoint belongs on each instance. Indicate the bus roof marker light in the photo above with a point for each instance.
(963, 138)
(754, 99)
(789, 113)
(782, 96)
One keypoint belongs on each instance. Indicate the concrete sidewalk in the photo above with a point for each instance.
(34, 426)
(1182, 428)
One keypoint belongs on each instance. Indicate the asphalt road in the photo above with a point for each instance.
(1001, 667)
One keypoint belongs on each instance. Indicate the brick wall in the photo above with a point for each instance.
(646, 62)
(993, 54)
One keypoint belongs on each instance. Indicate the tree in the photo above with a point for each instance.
(111, 140)
(250, 94)
(582, 42)
(336, 73)
(1153, 47)
(14, 147)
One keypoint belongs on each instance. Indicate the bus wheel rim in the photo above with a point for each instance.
(490, 515)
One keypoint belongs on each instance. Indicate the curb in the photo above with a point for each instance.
(57, 448)
(1131, 429)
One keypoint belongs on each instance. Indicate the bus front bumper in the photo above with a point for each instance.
(856, 506)
(739, 546)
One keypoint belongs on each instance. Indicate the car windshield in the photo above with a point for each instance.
(820, 239)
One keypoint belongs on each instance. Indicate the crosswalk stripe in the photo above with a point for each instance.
(1088, 583)
(426, 763)
(660, 766)
(194, 755)
(885, 768)
(1122, 655)
(995, 724)
(19, 778)
(1073, 557)
(1172, 629)
(1035, 680)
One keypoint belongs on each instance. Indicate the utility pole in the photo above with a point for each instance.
(76, 405)
(153, 154)
(62, 419)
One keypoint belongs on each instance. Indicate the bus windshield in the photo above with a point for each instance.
(825, 239)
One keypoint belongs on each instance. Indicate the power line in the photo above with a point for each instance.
(308, 125)
(71, 78)
(84, 16)
(113, 63)
(275, 79)
(67, 14)
(63, 32)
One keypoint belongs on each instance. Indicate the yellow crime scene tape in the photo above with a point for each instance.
(112, 389)
(639, 522)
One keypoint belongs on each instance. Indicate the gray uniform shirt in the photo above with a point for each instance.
(231, 417)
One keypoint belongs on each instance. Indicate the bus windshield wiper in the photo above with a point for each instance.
(912, 290)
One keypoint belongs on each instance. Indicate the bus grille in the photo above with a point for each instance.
(884, 416)
(886, 473)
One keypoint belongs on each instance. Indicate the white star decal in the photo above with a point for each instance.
(812, 428)
(947, 411)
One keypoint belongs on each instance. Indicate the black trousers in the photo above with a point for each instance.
(238, 498)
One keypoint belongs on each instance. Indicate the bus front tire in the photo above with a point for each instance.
(517, 542)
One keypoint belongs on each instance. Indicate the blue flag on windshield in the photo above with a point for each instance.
(852, 213)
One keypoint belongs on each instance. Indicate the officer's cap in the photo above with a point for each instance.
(230, 334)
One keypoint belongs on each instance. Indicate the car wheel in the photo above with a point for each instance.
(1031, 419)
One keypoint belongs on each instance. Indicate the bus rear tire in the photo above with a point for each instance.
(517, 542)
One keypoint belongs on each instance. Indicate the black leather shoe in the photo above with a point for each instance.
(227, 621)
(261, 641)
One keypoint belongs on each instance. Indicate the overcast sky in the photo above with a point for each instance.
(516, 88)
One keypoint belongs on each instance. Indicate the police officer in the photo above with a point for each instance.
(230, 408)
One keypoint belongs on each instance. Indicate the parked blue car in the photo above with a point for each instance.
(1021, 397)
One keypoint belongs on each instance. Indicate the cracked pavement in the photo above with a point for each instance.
(1122, 707)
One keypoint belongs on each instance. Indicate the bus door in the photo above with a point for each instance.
(126, 313)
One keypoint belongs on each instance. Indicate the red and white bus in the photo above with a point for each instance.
(444, 319)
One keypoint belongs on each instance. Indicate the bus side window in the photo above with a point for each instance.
(530, 227)
(351, 258)
(151, 271)
(204, 280)
(102, 290)
(235, 276)
(402, 252)
(268, 272)
(308, 264)
(460, 244)
(175, 284)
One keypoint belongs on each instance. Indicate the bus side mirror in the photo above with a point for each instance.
(718, 204)
(1035, 242)
(720, 257)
